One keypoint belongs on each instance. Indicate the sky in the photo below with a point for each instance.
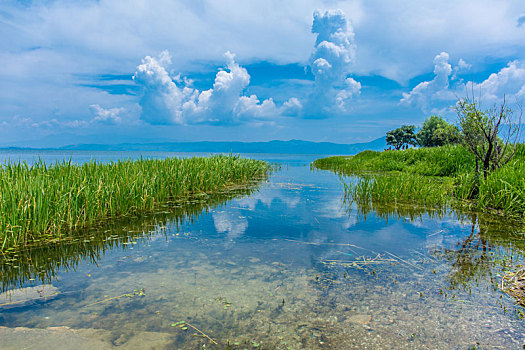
(111, 71)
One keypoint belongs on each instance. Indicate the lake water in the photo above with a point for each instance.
(288, 264)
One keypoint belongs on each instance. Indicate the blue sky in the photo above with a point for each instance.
(191, 70)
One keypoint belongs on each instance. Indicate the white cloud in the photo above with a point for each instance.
(509, 82)
(331, 62)
(351, 89)
(46, 45)
(435, 89)
(101, 115)
(334, 51)
(463, 66)
(396, 38)
(251, 107)
(162, 99)
(110, 116)
(291, 107)
(169, 100)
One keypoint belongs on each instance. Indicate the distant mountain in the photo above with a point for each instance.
(290, 147)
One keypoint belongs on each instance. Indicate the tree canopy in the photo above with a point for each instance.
(399, 137)
(437, 132)
(483, 135)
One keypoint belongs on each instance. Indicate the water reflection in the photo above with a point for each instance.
(232, 223)
(39, 263)
(487, 252)
(488, 247)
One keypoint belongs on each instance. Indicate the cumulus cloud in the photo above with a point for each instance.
(334, 50)
(109, 116)
(461, 68)
(509, 82)
(351, 89)
(173, 100)
(435, 89)
(331, 62)
(168, 100)
(291, 107)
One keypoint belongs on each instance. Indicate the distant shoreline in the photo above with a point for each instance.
(285, 147)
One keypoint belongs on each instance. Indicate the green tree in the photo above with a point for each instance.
(399, 137)
(484, 136)
(437, 132)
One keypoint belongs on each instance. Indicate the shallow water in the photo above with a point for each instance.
(287, 265)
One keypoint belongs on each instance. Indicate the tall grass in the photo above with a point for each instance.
(42, 262)
(435, 161)
(437, 176)
(504, 189)
(400, 188)
(38, 200)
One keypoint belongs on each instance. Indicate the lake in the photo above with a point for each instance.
(286, 264)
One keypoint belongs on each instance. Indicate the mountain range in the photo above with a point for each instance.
(289, 147)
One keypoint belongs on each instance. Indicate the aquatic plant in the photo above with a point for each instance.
(399, 188)
(40, 201)
(433, 161)
(437, 176)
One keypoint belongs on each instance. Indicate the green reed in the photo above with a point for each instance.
(400, 188)
(504, 189)
(435, 161)
(440, 176)
(48, 201)
(41, 260)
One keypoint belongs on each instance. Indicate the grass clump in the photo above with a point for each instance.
(40, 200)
(436, 176)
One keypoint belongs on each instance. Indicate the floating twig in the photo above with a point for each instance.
(136, 292)
(183, 325)
(406, 262)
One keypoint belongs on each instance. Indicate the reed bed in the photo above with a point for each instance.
(48, 201)
(41, 261)
(399, 188)
(438, 177)
(435, 161)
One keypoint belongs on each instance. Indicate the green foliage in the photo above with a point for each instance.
(401, 188)
(439, 176)
(436, 161)
(437, 132)
(466, 186)
(504, 189)
(40, 200)
(399, 137)
(483, 135)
